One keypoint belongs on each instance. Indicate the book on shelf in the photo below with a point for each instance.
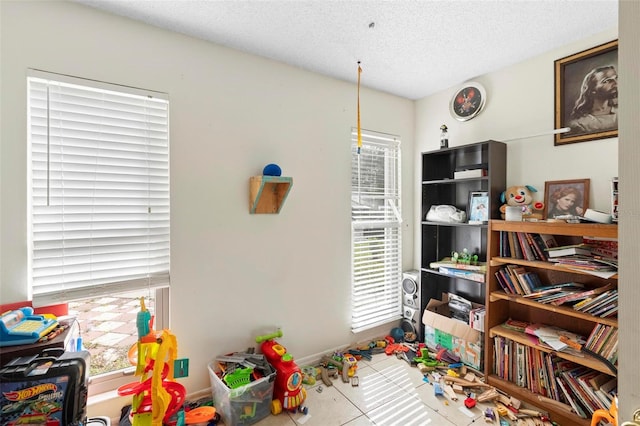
(540, 245)
(516, 273)
(504, 282)
(521, 366)
(582, 389)
(597, 337)
(514, 246)
(531, 279)
(510, 271)
(525, 245)
(549, 240)
(570, 398)
(505, 250)
(515, 325)
(586, 263)
(527, 252)
(568, 250)
(610, 348)
(550, 335)
(577, 393)
(448, 262)
(603, 299)
(551, 362)
(581, 295)
(606, 247)
(605, 398)
(603, 340)
(461, 273)
(550, 297)
(604, 310)
(554, 292)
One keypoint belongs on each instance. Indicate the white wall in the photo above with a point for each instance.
(520, 102)
(234, 275)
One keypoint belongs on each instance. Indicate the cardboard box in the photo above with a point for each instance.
(452, 334)
(244, 405)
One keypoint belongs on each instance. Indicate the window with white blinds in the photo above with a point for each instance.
(99, 183)
(376, 248)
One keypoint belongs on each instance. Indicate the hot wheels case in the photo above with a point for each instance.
(46, 389)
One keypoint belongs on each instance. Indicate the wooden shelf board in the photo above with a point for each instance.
(267, 194)
(499, 295)
(531, 341)
(557, 228)
(560, 413)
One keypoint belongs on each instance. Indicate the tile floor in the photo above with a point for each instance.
(391, 392)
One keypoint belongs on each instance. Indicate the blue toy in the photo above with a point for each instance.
(398, 334)
(437, 389)
(272, 170)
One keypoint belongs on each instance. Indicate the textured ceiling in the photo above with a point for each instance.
(407, 48)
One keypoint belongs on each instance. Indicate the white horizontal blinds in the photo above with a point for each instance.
(99, 189)
(376, 230)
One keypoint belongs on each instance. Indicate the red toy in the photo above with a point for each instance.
(288, 392)
(469, 403)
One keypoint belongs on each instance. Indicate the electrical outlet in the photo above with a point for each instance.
(181, 368)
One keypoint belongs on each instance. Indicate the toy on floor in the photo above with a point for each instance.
(158, 396)
(288, 393)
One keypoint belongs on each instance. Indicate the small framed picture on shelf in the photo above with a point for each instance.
(478, 207)
(566, 198)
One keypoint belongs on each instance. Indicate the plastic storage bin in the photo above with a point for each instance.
(244, 405)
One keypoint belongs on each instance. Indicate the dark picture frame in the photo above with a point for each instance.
(468, 101)
(559, 193)
(581, 79)
(478, 207)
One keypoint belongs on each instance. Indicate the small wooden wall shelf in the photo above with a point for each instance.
(268, 193)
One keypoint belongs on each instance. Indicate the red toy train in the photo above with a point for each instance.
(288, 393)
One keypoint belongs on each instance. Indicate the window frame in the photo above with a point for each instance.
(111, 380)
(377, 294)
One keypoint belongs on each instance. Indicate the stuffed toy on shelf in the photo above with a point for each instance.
(522, 196)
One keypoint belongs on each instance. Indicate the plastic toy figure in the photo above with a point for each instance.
(288, 392)
(157, 396)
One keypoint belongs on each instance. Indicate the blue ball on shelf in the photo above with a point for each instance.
(272, 170)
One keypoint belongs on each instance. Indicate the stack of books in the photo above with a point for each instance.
(474, 271)
(586, 390)
(583, 389)
(598, 301)
(603, 340)
(524, 245)
(585, 258)
(604, 305)
(515, 279)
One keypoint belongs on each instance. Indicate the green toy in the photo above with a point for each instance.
(425, 359)
(239, 377)
(464, 257)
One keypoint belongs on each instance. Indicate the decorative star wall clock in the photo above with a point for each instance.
(468, 101)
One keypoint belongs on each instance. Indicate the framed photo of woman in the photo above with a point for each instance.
(478, 207)
(566, 198)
